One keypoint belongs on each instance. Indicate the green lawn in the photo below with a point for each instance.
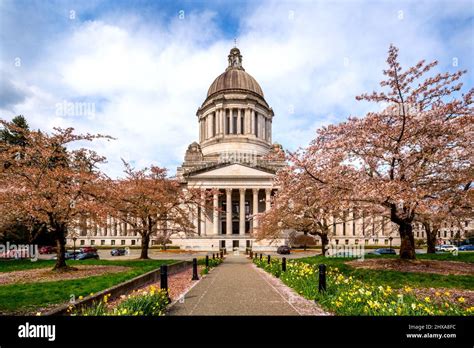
(397, 279)
(27, 297)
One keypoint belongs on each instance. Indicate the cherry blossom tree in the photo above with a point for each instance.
(406, 157)
(153, 204)
(47, 183)
(299, 205)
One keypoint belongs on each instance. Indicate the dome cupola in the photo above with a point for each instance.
(235, 118)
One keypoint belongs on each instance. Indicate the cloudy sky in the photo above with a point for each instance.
(142, 68)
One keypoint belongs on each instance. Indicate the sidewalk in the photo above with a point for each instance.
(236, 287)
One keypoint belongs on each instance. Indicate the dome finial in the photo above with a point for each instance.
(235, 58)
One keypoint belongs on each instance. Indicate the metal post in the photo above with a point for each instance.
(251, 254)
(164, 279)
(261, 256)
(195, 269)
(207, 261)
(322, 278)
(222, 254)
(268, 259)
(283, 264)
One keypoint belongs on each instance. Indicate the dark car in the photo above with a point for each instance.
(469, 247)
(383, 251)
(118, 252)
(89, 255)
(88, 250)
(283, 249)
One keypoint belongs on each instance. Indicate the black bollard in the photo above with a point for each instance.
(251, 254)
(261, 256)
(164, 279)
(207, 261)
(283, 264)
(195, 269)
(222, 254)
(268, 259)
(322, 277)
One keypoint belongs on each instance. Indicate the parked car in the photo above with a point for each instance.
(283, 249)
(445, 248)
(68, 255)
(47, 249)
(88, 255)
(88, 249)
(118, 252)
(469, 247)
(383, 251)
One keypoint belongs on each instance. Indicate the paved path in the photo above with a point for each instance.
(235, 287)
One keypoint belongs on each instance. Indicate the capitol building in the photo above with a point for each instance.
(235, 156)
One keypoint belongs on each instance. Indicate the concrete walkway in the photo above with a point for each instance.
(237, 287)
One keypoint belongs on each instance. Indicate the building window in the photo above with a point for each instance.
(337, 241)
(92, 242)
(214, 124)
(346, 241)
(83, 242)
(102, 242)
(234, 121)
(133, 241)
(366, 242)
(112, 242)
(122, 242)
(386, 241)
(376, 241)
(256, 125)
(356, 241)
(227, 121)
(445, 234)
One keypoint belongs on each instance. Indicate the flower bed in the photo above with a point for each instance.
(347, 295)
(151, 302)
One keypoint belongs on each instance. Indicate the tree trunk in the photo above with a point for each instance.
(324, 243)
(144, 251)
(407, 246)
(60, 251)
(430, 238)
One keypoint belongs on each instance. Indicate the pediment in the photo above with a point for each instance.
(233, 171)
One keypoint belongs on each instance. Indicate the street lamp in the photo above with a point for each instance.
(74, 241)
(390, 239)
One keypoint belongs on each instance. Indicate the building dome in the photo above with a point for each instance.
(235, 77)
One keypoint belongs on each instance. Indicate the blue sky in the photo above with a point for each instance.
(145, 66)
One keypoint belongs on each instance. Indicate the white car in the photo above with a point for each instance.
(446, 248)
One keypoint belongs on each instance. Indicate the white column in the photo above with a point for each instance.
(202, 218)
(252, 121)
(267, 199)
(215, 214)
(231, 121)
(255, 207)
(228, 214)
(264, 126)
(242, 212)
(270, 130)
(223, 120)
(239, 115)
